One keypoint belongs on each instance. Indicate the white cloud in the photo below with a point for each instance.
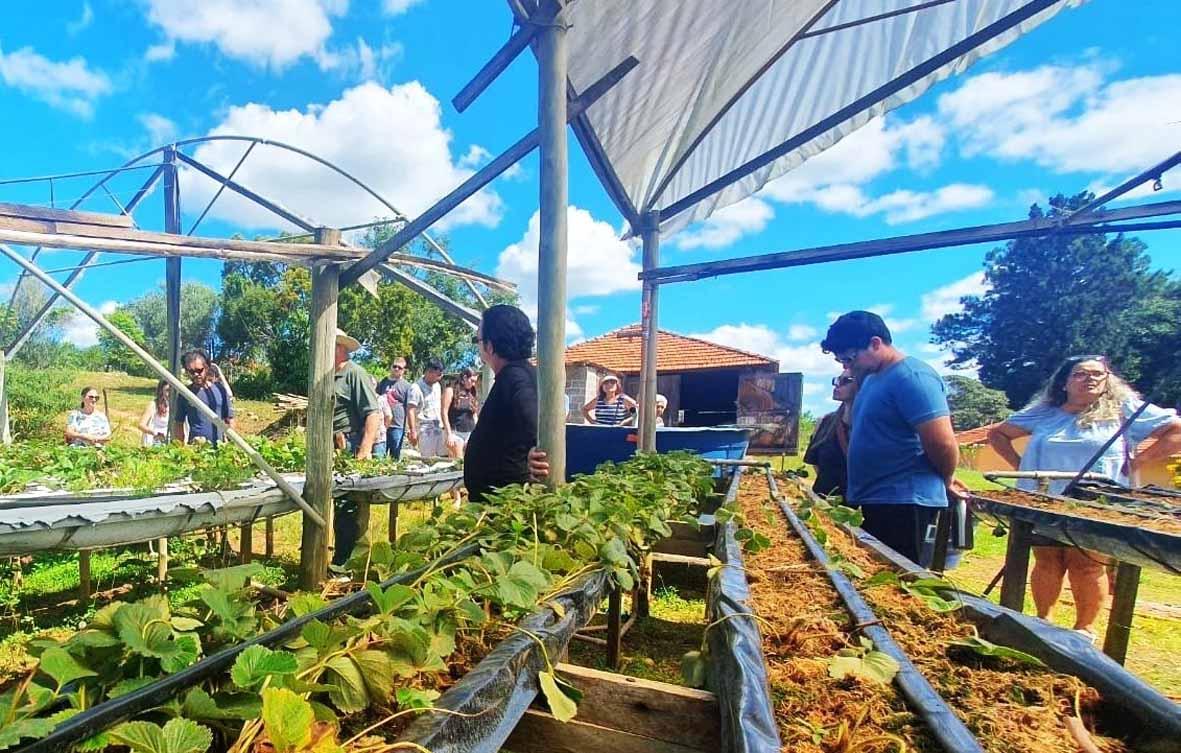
(902, 205)
(894, 324)
(160, 129)
(477, 156)
(598, 263)
(361, 61)
(80, 330)
(265, 33)
(585, 309)
(1065, 118)
(797, 332)
(392, 139)
(727, 225)
(71, 85)
(397, 7)
(946, 299)
(163, 51)
(84, 20)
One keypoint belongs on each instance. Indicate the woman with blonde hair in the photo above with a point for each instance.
(1079, 410)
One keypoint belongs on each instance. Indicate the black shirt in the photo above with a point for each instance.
(825, 452)
(498, 450)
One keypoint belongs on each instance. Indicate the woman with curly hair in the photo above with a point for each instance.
(1080, 408)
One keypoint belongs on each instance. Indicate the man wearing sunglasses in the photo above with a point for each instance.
(902, 449)
(212, 393)
(396, 391)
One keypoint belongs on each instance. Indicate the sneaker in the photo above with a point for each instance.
(1090, 636)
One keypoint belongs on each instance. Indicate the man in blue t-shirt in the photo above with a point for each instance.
(902, 449)
(212, 393)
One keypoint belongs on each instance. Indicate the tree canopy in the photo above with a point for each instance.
(1059, 295)
(972, 404)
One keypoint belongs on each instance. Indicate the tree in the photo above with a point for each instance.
(1054, 296)
(115, 355)
(972, 404)
(198, 318)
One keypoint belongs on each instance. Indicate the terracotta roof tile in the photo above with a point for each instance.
(619, 350)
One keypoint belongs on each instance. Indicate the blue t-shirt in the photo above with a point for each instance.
(887, 465)
(1058, 443)
(215, 396)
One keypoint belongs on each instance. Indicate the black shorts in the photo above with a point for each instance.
(907, 529)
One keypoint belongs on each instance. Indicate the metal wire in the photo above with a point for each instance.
(59, 176)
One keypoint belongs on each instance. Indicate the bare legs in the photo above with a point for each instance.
(1086, 571)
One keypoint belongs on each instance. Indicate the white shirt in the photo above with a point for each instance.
(428, 398)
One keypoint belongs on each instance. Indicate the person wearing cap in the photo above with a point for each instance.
(356, 422)
(610, 407)
(661, 407)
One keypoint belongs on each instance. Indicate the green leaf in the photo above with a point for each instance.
(390, 599)
(185, 653)
(851, 569)
(287, 719)
(232, 578)
(256, 663)
(144, 630)
(566, 521)
(561, 705)
(94, 639)
(521, 585)
(11, 734)
(198, 704)
(177, 736)
(377, 670)
(348, 685)
(872, 665)
(934, 601)
(63, 667)
(693, 669)
(882, 578)
(614, 552)
(185, 624)
(414, 698)
(123, 687)
(982, 647)
(305, 603)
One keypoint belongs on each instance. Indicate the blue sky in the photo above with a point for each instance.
(1088, 98)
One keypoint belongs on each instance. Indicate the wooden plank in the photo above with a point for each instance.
(657, 710)
(28, 211)
(1123, 606)
(161, 561)
(538, 732)
(84, 589)
(270, 538)
(679, 559)
(683, 547)
(246, 543)
(614, 627)
(392, 533)
(1016, 565)
(691, 532)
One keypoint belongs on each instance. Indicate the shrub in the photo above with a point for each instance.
(251, 382)
(36, 400)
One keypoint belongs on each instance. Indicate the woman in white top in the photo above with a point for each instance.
(86, 426)
(1080, 408)
(154, 422)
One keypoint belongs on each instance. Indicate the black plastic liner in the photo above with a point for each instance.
(944, 725)
(494, 695)
(1124, 542)
(736, 669)
(100, 717)
(1062, 650)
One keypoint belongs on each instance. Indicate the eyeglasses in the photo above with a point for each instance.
(841, 381)
(1098, 376)
(92, 397)
(196, 372)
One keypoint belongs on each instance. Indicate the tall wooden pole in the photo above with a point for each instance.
(649, 328)
(317, 490)
(551, 264)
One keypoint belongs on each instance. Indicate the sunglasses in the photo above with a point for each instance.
(841, 381)
(196, 372)
(92, 397)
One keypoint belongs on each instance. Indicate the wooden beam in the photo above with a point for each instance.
(162, 561)
(507, 53)
(453, 269)
(1123, 608)
(658, 710)
(392, 533)
(614, 627)
(431, 294)
(1016, 565)
(269, 551)
(84, 586)
(314, 552)
(538, 732)
(31, 212)
(246, 543)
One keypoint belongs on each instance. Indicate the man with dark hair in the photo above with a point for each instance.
(209, 391)
(424, 412)
(501, 449)
(395, 390)
(902, 449)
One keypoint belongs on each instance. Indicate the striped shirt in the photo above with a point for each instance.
(610, 414)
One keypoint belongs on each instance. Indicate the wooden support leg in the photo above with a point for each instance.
(84, 589)
(1123, 605)
(362, 520)
(270, 538)
(161, 561)
(641, 600)
(393, 532)
(614, 628)
(1016, 566)
(246, 543)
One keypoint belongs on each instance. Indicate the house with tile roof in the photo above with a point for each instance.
(702, 380)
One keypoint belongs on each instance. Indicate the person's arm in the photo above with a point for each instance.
(448, 396)
(229, 418)
(588, 410)
(369, 437)
(145, 421)
(942, 450)
(413, 398)
(630, 402)
(73, 434)
(1001, 437)
(178, 430)
(1166, 442)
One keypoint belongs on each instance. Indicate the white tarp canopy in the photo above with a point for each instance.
(758, 86)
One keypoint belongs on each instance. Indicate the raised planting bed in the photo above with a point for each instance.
(1006, 695)
(356, 679)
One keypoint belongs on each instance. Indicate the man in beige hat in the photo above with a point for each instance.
(356, 422)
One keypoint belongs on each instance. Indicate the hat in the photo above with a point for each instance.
(609, 378)
(661, 400)
(350, 343)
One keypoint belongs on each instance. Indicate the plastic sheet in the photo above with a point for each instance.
(944, 725)
(104, 715)
(737, 669)
(495, 694)
(1063, 650)
(1126, 543)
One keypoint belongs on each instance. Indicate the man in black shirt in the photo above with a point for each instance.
(501, 450)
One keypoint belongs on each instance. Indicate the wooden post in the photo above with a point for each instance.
(84, 589)
(1016, 565)
(642, 597)
(614, 627)
(1123, 606)
(5, 431)
(392, 534)
(314, 552)
(270, 538)
(246, 543)
(551, 265)
(649, 327)
(161, 561)
(363, 511)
